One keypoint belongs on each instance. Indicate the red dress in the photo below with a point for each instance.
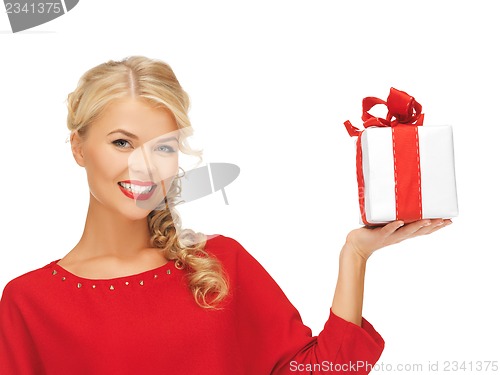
(54, 322)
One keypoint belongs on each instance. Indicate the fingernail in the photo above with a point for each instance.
(427, 223)
(440, 223)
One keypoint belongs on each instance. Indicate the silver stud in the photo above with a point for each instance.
(93, 286)
(126, 283)
(156, 276)
(63, 278)
(54, 272)
(79, 285)
(168, 272)
(111, 287)
(141, 282)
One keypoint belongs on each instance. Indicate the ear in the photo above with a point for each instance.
(77, 148)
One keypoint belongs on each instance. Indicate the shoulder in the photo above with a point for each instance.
(224, 247)
(229, 251)
(234, 257)
(246, 274)
(29, 282)
(222, 243)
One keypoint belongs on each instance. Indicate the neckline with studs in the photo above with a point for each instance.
(138, 280)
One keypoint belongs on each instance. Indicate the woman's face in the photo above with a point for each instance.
(131, 156)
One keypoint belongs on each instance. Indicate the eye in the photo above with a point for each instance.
(165, 148)
(121, 143)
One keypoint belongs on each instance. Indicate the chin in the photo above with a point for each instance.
(154, 203)
(134, 215)
(132, 210)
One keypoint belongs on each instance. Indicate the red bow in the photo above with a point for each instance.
(400, 106)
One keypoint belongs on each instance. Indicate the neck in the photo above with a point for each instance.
(110, 233)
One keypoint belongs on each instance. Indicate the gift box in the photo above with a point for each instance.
(405, 171)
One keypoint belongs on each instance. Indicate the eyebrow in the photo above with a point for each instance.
(128, 134)
(133, 136)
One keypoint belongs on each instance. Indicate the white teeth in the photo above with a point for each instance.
(136, 189)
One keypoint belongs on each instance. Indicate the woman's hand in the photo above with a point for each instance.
(360, 244)
(364, 241)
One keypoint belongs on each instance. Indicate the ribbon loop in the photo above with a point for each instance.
(351, 129)
(401, 109)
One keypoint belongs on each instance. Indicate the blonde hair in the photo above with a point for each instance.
(154, 82)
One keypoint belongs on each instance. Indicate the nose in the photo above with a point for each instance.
(140, 164)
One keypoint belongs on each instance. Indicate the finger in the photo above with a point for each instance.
(435, 224)
(427, 228)
(411, 229)
(390, 228)
(439, 226)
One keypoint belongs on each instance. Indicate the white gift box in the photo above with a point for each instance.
(378, 178)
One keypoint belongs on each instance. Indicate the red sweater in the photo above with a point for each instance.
(54, 322)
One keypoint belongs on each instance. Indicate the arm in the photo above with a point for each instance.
(359, 246)
(17, 350)
(271, 336)
(348, 299)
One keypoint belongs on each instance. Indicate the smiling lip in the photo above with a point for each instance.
(139, 183)
(137, 196)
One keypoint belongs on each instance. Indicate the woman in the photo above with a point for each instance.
(140, 295)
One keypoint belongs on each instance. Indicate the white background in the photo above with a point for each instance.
(271, 84)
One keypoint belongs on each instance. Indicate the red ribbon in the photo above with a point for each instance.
(402, 109)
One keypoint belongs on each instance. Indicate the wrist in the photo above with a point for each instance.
(350, 254)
